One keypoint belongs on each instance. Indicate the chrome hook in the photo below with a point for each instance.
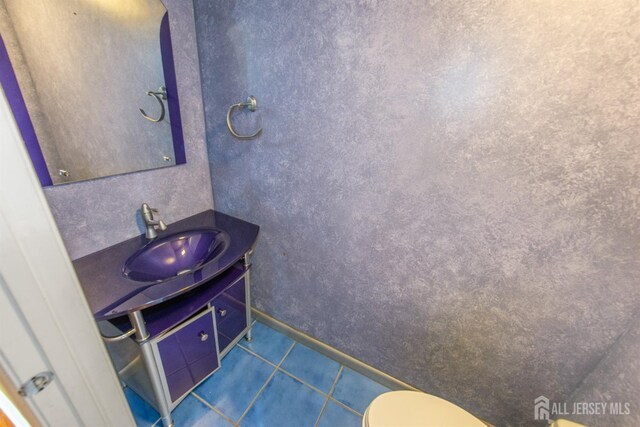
(252, 104)
(160, 95)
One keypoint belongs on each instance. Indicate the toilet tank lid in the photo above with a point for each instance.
(410, 408)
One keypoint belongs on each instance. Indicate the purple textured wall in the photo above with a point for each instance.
(616, 379)
(448, 191)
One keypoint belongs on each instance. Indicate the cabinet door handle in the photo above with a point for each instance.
(223, 312)
(203, 336)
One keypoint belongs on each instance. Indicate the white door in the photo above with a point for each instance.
(45, 322)
(17, 345)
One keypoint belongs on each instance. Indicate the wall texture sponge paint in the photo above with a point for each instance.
(447, 190)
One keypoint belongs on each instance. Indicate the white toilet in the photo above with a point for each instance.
(416, 409)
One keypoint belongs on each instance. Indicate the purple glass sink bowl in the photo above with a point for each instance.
(171, 256)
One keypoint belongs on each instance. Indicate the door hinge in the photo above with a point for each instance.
(36, 384)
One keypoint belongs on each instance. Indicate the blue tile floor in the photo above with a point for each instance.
(272, 381)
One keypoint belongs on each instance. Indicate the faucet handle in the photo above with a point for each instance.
(146, 209)
(162, 225)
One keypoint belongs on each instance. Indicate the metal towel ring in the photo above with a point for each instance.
(160, 95)
(251, 104)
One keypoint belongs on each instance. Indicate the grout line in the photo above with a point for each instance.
(265, 384)
(346, 407)
(253, 353)
(333, 387)
(335, 383)
(281, 369)
(213, 408)
(304, 382)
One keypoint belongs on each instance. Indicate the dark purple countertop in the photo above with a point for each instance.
(111, 294)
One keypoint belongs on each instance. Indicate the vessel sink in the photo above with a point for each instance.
(176, 254)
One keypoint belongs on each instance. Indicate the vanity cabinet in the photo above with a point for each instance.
(187, 354)
(188, 336)
(230, 311)
(168, 333)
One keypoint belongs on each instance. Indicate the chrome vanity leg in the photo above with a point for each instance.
(247, 263)
(152, 368)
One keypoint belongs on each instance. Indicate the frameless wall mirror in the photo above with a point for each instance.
(92, 86)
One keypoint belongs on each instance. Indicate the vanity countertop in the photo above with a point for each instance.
(111, 294)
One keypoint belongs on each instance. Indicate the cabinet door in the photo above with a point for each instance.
(188, 354)
(197, 339)
(231, 313)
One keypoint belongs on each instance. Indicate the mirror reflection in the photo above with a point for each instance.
(97, 81)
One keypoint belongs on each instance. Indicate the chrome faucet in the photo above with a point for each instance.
(151, 224)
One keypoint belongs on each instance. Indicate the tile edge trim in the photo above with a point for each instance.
(333, 353)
